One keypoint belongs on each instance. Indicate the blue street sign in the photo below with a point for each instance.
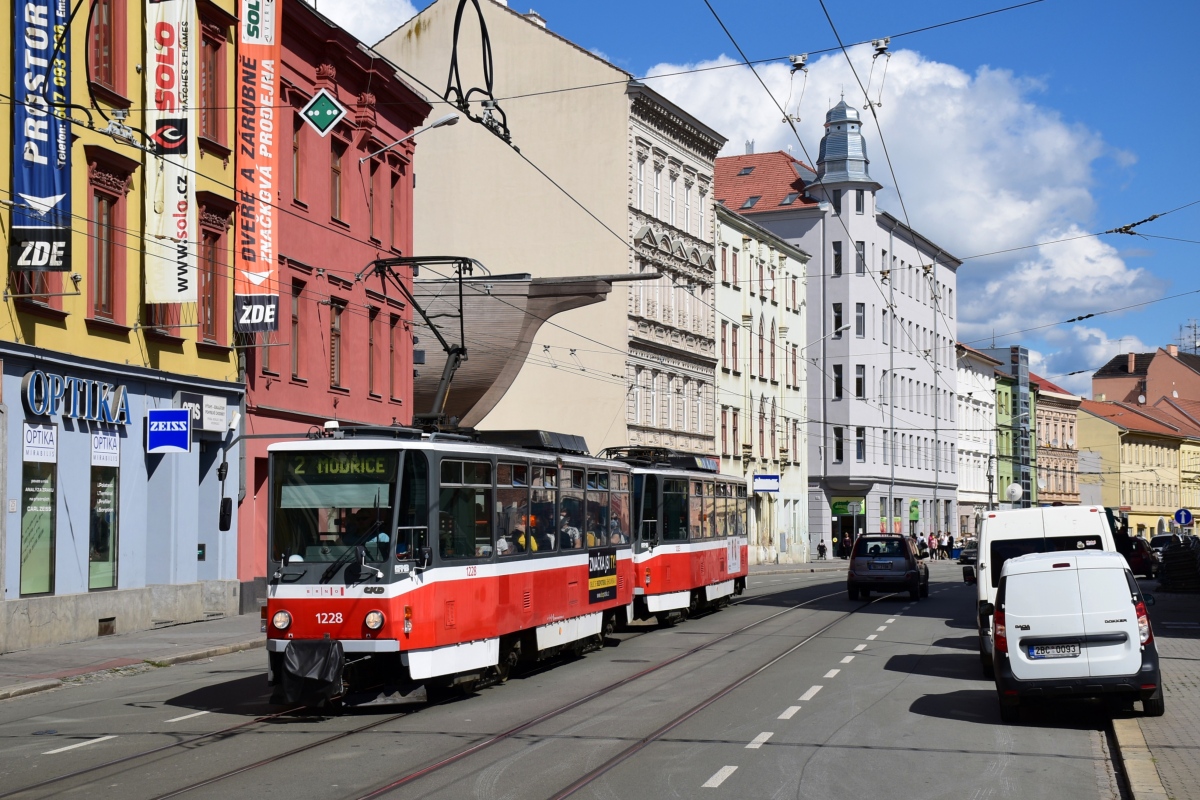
(168, 430)
(1183, 516)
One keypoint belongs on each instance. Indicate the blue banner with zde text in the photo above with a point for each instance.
(41, 184)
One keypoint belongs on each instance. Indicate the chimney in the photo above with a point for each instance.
(1132, 362)
(1173, 351)
(749, 147)
(536, 18)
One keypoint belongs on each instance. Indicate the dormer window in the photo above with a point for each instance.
(750, 201)
(745, 171)
(791, 198)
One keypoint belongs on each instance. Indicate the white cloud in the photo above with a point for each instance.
(369, 20)
(1080, 347)
(982, 167)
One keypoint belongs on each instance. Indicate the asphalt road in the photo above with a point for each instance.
(824, 698)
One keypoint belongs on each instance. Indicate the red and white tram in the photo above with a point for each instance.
(691, 546)
(400, 559)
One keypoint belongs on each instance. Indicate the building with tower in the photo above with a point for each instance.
(881, 328)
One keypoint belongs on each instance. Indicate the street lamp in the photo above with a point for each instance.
(842, 329)
(449, 119)
(891, 444)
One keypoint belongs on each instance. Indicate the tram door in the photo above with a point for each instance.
(646, 507)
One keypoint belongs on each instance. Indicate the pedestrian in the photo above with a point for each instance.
(933, 547)
(821, 550)
(942, 551)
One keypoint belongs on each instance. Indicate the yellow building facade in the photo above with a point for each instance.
(118, 227)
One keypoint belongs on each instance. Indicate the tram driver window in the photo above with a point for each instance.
(675, 510)
(464, 510)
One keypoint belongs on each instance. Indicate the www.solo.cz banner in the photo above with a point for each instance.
(256, 287)
(40, 237)
(172, 236)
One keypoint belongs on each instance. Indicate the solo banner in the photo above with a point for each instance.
(256, 289)
(172, 238)
(40, 238)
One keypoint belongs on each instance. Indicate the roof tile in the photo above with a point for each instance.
(772, 178)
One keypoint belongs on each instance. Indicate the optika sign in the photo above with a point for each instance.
(47, 394)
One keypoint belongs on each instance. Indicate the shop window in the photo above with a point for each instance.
(104, 525)
(39, 499)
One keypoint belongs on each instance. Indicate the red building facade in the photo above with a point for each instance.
(343, 350)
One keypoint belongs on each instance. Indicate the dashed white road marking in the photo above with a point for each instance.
(80, 744)
(810, 694)
(847, 659)
(858, 648)
(882, 628)
(832, 673)
(890, 621)
(760, 740)
(789, 712)
(188, 716)
(718, 778)
(872, 637)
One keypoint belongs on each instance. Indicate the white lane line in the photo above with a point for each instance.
(832, 673)
(890, 621)
(882, 628)
(872, 637)
(847, 659)
(80, 744)
(188, 716)
(760, 740)
(718, 778)
(810, 694)
(789, 712)
(858, 648)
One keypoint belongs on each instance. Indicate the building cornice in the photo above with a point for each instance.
(664, 116)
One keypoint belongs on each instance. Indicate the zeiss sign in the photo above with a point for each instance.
(47, 394)
(168, 430)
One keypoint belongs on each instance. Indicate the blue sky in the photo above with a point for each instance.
(1054, 120)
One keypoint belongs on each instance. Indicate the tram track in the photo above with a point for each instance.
(242, 728)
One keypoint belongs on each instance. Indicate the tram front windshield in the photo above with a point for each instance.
(327, 503)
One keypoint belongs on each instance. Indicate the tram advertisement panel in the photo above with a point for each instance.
(602, 575)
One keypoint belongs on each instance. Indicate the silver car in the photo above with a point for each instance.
(886, 563)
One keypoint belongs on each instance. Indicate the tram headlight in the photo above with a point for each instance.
(374, 620)
(282, 620)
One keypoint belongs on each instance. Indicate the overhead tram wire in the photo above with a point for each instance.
(437, 98)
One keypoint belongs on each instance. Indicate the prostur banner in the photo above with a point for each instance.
(256, 286)
(171, 241)
(40, 238)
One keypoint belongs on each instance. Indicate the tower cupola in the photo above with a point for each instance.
(843, 154)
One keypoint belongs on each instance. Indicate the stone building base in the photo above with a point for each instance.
(40, 621)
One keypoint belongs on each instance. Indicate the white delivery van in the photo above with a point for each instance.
(1008, 534)
(1073, 623)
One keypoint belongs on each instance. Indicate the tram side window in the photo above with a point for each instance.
(597, 518)
(645, 503)
(696, 511)
(618, 515)
(464, 510)
(412, 530)
(570, 527)
(739, 517)
(513, 536)
(710, 511)
(541, 509)
(675, 510)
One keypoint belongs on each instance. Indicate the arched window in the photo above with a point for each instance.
(762, 428)
(762, 335)
(774, 452)
(772, 352)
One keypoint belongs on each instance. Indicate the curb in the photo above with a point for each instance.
(208, 652)
(1140, 771)
(18, 689)
(795, 570)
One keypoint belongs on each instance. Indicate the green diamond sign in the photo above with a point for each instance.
(323, 112)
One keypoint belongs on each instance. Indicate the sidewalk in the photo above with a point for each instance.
(828, 565)
(1170, 744)
(44, 668)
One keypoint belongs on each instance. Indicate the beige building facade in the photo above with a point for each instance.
(1056, 416)
(635, 173)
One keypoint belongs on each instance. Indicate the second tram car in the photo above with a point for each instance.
(400, 559)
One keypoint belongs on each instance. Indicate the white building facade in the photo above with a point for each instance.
(976, 437)
(762, 403)
(883, 437)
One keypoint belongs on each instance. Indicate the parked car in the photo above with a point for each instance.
(1160, 543)
(1072, 623)
(969, 554)
(1141, 557)
(1009, 534)
(886, 563)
